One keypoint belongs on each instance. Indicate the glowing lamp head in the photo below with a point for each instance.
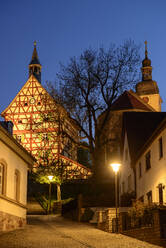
(50, 177)
(115, 167)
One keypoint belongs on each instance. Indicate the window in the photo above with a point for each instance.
(3, 169)
(45, 136)
(1, 179)
(160, 188)
(160, 148)
(129, 183)
(19, 138)
(17, 185)
(67, 150)
(140, 170)
(147, 161)
(149, 197)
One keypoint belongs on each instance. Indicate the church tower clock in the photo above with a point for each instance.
(148, 89)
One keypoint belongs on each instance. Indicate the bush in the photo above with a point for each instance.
(127, 199)
(141, 214)
(87, 216)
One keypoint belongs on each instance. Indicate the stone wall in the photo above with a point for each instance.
(107, 224)
(10, 222)
(151, 234)
(148, 234)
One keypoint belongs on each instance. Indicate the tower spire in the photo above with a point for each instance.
(146, 66)
(148, 89)
(146, 50)
(34, 65)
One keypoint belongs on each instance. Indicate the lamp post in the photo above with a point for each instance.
(115, 167)
(50, 179)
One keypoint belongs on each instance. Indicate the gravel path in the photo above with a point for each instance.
(60, 233)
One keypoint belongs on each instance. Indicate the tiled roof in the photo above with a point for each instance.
(129, 100)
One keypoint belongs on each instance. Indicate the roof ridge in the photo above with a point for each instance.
(130, 100)
(141, 100)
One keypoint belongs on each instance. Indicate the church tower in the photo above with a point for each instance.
(147, 89)
(35, 66)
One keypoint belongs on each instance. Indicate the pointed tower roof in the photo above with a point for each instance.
(35, 59)
(35, 66)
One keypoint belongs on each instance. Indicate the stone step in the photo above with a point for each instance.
(34, 208)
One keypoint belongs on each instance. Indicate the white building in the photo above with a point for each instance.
(14, 163)
(144, 156)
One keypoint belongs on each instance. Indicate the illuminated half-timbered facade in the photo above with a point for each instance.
(41, 125)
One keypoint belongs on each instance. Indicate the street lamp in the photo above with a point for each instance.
(50, 177)
(115, 167)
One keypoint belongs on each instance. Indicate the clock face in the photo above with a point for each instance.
(146, 99)
(32, 100)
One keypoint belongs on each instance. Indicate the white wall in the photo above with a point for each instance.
(126, 169)
(154, 101)
(10, 208)
(156, 174)
(13, 162)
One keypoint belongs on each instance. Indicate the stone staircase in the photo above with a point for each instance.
(34, 208)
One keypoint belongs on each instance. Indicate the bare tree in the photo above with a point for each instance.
(88, 86)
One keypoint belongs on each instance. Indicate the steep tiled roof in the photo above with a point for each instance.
(129, 100)
(140, 126)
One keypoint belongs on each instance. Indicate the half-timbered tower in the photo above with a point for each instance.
(41, 125)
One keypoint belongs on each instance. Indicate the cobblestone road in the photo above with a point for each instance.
(60, 233)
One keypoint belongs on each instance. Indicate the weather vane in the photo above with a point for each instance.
(146, 50)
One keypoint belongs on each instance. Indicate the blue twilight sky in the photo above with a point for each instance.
(64, 28)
